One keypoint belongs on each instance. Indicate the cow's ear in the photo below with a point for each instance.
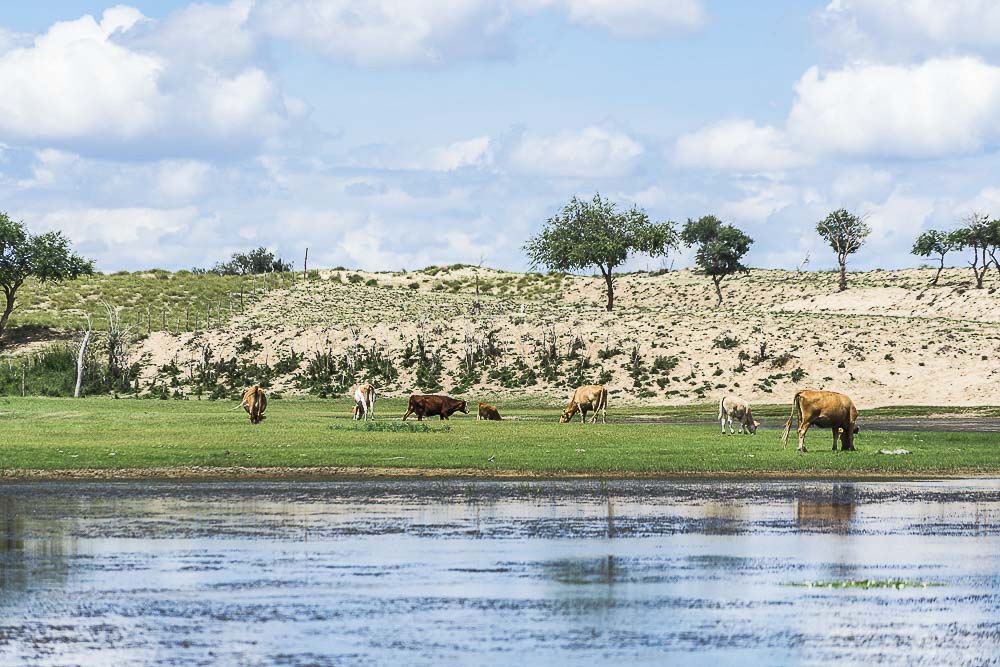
(756, 423)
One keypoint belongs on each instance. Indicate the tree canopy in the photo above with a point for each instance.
(937, 243)
(721, 248)
(982, 235)
(45, 257)
(260, 260)
(597, 233)
(845, 233)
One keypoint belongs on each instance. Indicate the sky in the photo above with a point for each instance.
(396, 134)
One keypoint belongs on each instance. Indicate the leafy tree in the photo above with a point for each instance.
(256, 261)
(845, 233)
(596, 233)
(720, 248)
(934, 242)
(44, 257)
(983, 236)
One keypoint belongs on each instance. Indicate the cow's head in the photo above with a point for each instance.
(568, 413)
(463, 407)
(752, 426)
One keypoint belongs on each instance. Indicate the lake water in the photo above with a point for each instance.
(499, 573)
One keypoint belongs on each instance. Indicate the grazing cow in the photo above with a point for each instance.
(584, 399)
(826, 409)
(428, 406)
(255, 402)
(489, 412)
(732, 407)
(364, 401)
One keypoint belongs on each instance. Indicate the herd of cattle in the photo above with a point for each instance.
(826, 409)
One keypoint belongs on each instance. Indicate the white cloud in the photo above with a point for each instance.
(899, 28)
(468, 153)
(762, 200)
(636, 18)
(136, 237)
(182, 180)
(592, 152)
(390, 32)
(940, 107)
(860, 182)
(48, 166)
(124, 85)
(740, 145)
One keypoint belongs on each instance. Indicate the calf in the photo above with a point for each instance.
(428, 406)
(489, 412)
(364, 402)
(732, 407)
(255, 402)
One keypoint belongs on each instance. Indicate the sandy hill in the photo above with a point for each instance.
(889, 340)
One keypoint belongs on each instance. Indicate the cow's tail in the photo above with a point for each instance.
(788, 424)
(722, 401)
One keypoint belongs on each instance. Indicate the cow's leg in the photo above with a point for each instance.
(722, 422)
(835, 435)
(803, 428)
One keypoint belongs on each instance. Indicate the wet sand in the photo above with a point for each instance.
(490, 572)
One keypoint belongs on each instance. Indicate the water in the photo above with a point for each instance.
(498, 573)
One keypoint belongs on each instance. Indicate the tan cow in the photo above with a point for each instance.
(584, 399)
(255, 402)
(364, 401)
(489, 412)
(826, 409)
(735, 407)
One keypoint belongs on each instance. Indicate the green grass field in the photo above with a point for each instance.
(103, 434)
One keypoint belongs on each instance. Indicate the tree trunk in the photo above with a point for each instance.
(79, 362)
(609, 279)
(6, 314)
(717, 281)
(842, 281)
(938, 274)
(8, 309)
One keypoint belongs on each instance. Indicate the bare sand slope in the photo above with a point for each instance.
(889, 340)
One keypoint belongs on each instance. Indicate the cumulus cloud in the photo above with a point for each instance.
(391, 32)
(123, 85)
(740, 145)
(900, 28)
(943, 106)
(469, 153)
(592, 152)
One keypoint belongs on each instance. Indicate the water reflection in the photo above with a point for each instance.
(493, 573)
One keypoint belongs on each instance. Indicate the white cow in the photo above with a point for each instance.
(364, 401)
(732, 407)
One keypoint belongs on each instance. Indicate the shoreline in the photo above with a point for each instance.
(334, 473)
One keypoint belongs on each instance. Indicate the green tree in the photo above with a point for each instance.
(720, 248)
(44, 257)
(982, 235)
(845, 233)
(934, 242)
(260, 260)
(597, 233)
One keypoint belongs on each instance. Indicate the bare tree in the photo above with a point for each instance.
(845, 233)
(79, 358)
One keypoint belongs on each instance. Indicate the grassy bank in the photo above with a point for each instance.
(104, 434)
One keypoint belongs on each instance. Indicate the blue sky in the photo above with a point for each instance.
(390, 134)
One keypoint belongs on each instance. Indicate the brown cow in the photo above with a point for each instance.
(489, 412)
(255, 402)
(826, 409)
(584, 399)
(428, 406)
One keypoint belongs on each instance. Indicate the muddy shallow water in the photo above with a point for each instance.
(459, 572)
